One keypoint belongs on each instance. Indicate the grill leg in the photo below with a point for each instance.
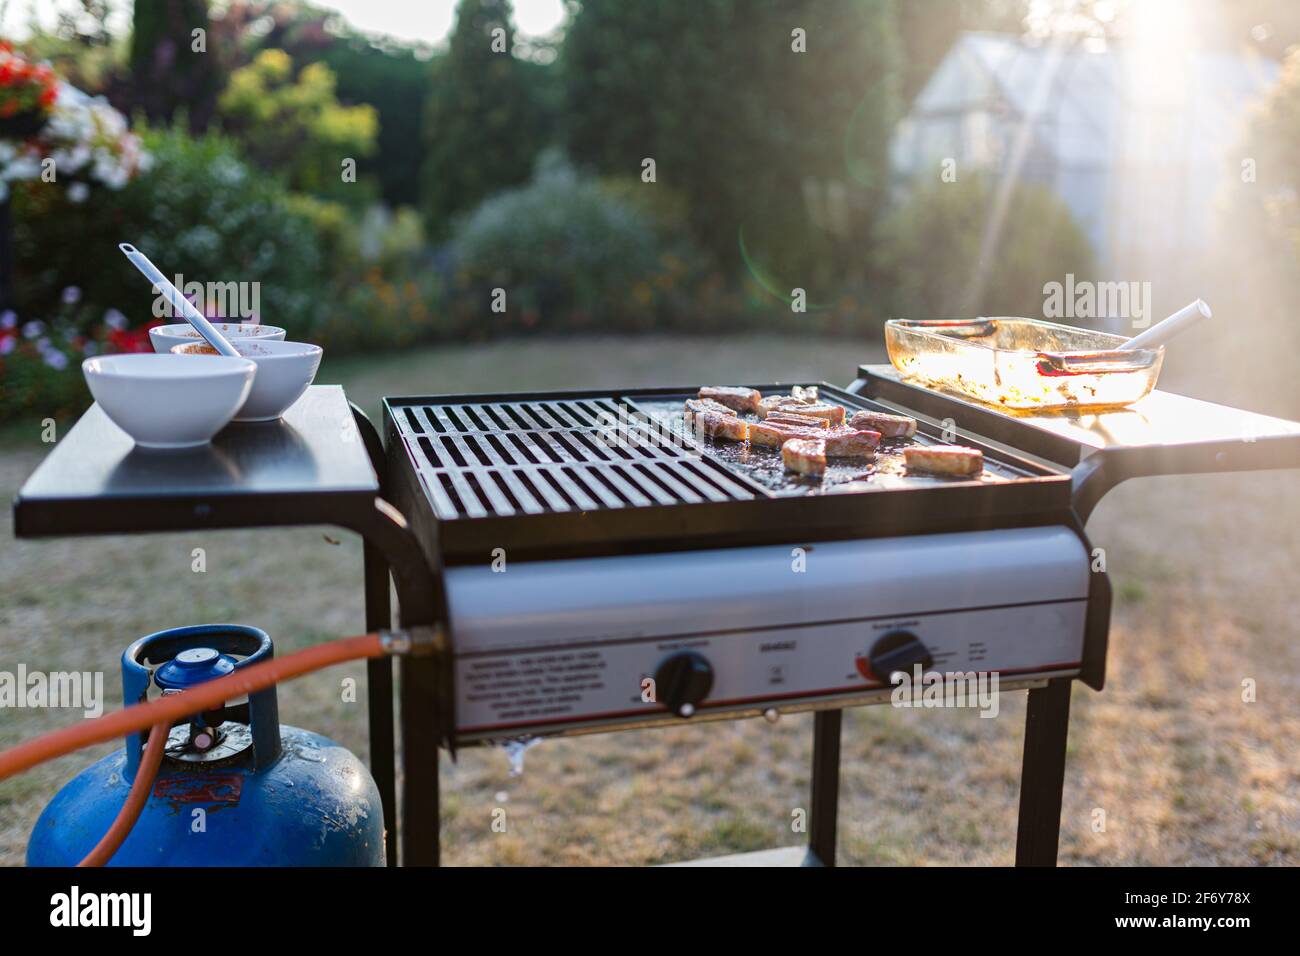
(419, 762)
(1042, 775)
(825, 788)
(379, 681)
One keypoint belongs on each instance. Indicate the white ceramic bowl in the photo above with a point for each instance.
(169, 401)
(284, 370)
(166, 337)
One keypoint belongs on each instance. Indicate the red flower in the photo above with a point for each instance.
(130, 340)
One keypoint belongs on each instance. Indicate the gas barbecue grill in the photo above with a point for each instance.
(593, 547)
(592, 543)
(579, 562)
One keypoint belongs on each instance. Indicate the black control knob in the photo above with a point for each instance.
(898, 651)
(682, 680)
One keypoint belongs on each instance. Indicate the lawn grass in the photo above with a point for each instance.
(1180, 769)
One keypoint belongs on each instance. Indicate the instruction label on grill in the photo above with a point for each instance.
(531, 686)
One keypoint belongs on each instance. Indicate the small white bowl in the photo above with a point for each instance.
(166, 337)
(284, 370)
(169, 401)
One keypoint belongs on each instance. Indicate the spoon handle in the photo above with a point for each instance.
(181, 304)
(1166, 329)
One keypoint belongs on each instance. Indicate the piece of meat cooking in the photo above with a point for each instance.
(845, 442)
(741, 399)
(713, 424)
(774, 435)
(695, 406)
(787, 402)
(944, 460)
(783, 417)
(807, 456)
(890, 426)
(834, 414)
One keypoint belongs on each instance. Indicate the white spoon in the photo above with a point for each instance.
(1166, 329)
(181, 304)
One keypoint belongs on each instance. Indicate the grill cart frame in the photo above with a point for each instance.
(326, 465)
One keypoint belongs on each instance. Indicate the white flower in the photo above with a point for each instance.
(8, 319)
(56, 360)
(78, 192)
(115, 319)
(33, 329)
(7, 345)
(81, 132)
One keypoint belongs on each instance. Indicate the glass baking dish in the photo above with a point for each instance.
(1022, 364)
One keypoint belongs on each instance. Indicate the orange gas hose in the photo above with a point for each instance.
(174, 707)
(145, 775)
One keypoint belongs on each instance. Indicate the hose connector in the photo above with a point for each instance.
(420, 641)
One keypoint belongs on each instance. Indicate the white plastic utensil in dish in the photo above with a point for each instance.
(178, 302)
(166, 337)
(284, 370)
(1168, 327)
(169, 401)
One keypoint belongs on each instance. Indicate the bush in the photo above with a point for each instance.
(570, 255)
(382, 309)
(930, 246)
(199, 211)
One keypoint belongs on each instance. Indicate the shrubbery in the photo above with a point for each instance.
(199, 211)
(929, 246)
(571, 254)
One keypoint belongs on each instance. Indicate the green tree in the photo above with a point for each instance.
(485, 121)
(395, 81)
(168, 73)
(295, 126)
(772, 116)
(929, 247)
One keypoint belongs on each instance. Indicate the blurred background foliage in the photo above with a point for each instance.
(524, 168)
(293, 126)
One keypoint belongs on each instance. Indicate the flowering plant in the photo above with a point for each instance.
(85, 142)
(24, 87)
(39, 360)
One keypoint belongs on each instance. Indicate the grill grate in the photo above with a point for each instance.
(532, 457)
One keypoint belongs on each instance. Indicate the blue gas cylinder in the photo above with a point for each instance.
(236, 787)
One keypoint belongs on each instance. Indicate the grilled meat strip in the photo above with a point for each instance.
(944, 460)
(845, 442)
(774, 435)
(785, 402)
(807, 456)
(800, 421)
(834, 414)
(695, 406)
(711, 424)
(709, 419)
(741, 399)
(890, 426)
